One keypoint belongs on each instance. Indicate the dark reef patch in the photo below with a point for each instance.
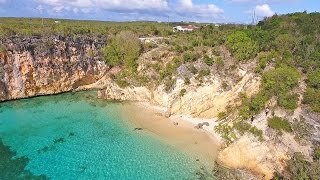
(14, 168)
(59, 140)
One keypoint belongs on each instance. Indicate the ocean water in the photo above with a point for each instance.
(76, 136)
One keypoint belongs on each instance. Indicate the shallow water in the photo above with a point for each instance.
(75, 136)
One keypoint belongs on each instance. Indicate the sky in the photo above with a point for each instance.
(214, 11)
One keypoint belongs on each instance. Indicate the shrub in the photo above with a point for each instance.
(222, 115)
(169, 83)
(189, 57)
(288, 101)
(300, 168)
(219, 62)
(208, 60)
(280, 81)
(123, 49)
(279, 124)
(314, 79)
(302, 129)
(312, 98)
(244, 127)
(182, 92)
(187, 81)
(224, 85)
(122, 83)
(242, 46)
(204, 72)
(317, 153)
(253, 105)
(215, 52)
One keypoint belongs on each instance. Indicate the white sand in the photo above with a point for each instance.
(202, 144)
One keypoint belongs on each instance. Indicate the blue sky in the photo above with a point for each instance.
(236, 11)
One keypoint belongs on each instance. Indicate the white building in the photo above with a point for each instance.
(188, 28)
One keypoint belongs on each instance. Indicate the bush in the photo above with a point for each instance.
(169, 83)
(189, 57)
(182, 92)
(288, 101)
(317, 153)
(187, 81)
(208, 60)
(279, 81)
(300, 168)
(219, 62)
(123, 49)
(253, 105)
(204, 72)
(222, 115)
(314, 79)
(242, 46)
(215, 52)
(302, 129)
(312, 98)
(243, 127)
(279, 124)
(122, 83)
(263, 59)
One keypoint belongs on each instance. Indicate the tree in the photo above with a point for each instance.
(123, 49)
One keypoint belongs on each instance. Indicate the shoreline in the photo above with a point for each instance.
(200, 144)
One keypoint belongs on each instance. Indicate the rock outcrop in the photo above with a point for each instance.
(48, 65)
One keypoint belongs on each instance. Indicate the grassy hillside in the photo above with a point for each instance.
(37, 26)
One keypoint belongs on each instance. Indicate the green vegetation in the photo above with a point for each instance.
(300, 168)
(229, 132)
(37, 27)
(208, 60)
(123, 49)
(222, 115)
(253, 105)
(280, 80)
(312, 97)
(265, 58)
(182, 92)
(279, 124)
(204, 72)
(242, 46)
(244, 127)
(288, 101)
(190, 57)
(314, 79)
(302, 130)
(317, 153)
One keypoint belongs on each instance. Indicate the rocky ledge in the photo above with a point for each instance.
(48, 65)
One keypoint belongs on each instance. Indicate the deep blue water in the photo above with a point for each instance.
(75, 136)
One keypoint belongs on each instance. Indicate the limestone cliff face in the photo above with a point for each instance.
(204, 101)
(48, 65)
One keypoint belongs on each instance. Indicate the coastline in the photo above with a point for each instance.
(201, 144)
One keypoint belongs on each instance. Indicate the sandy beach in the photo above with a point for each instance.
(201, 144)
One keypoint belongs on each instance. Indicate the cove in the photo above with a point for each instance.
(76, 136)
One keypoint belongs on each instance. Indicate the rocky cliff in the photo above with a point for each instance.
(48, 65)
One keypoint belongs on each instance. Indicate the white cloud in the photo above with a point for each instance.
(143, 8)
(206, 10)
(263, 10)
(112, 5)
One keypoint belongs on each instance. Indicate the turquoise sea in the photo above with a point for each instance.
(76, 136)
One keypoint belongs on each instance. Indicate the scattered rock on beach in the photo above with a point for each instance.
(138, 129)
